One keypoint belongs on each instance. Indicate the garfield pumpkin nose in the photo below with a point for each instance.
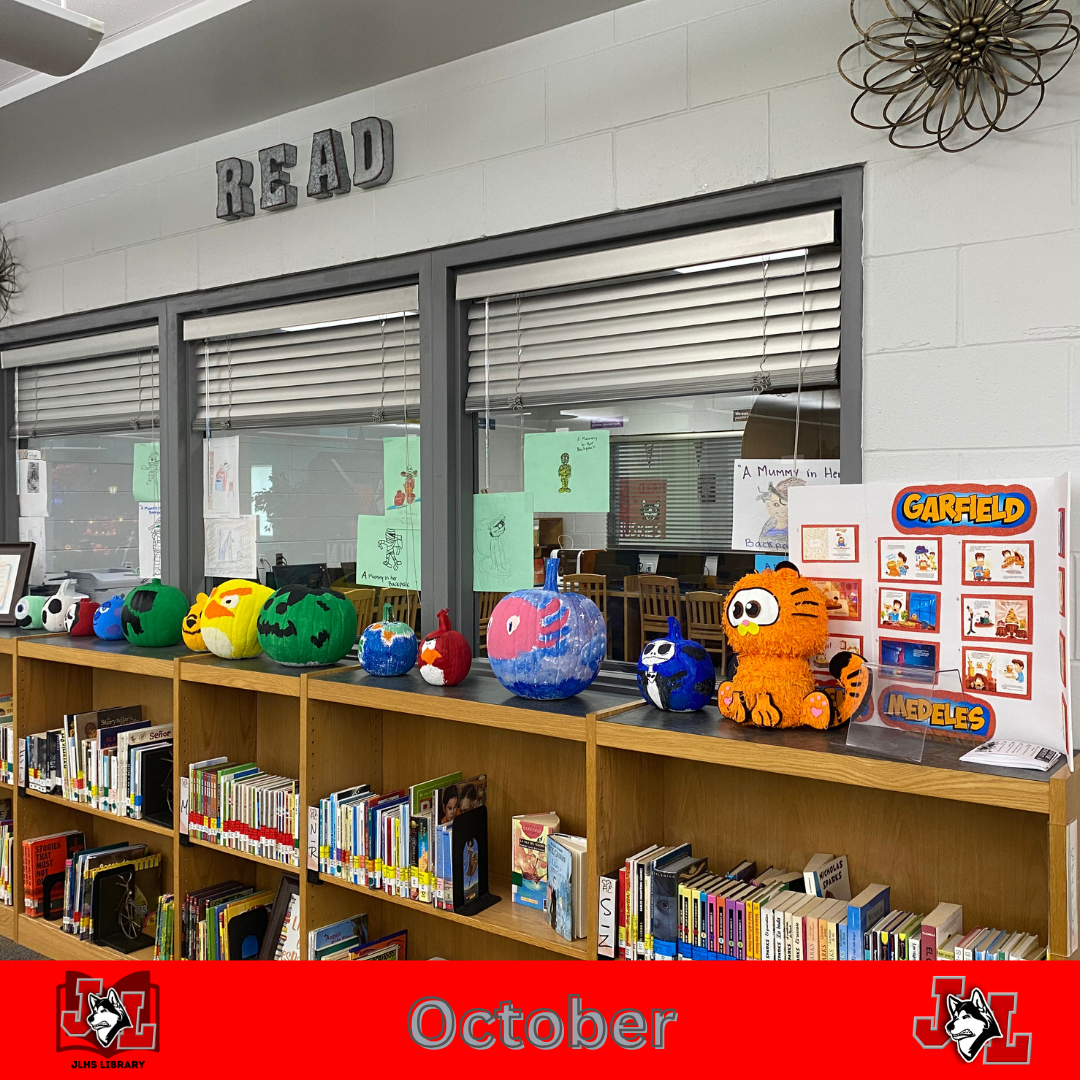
(746, 627)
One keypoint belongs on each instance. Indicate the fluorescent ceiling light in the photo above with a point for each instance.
(45, 37)
(740, 262)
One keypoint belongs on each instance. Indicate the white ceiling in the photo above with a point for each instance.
(119, 16)
(205, 67)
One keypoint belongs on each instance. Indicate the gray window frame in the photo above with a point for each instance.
(448, 445)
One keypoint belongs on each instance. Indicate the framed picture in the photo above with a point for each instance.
(843, 597)
(830, 543)
(1010, 563)
(909, 610)
(909, 558)
(996, 618)
(994, 671)
(908, 654)
(15, 560)
(837, 643)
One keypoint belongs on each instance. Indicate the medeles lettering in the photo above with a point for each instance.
(433, 1025)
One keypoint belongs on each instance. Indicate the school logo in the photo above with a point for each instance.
(107, 1020)
(992, 510)
(978, 1026)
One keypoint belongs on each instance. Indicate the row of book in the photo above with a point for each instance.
(107, 894)
(7, 854)
(402, 842)
(112, 760)
(164, 932)
(239, 806)
(664, 903)
(7, 746)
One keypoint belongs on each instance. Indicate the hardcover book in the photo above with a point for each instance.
(529, 880)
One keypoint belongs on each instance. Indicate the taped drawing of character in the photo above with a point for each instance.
(152, 468)
(564, 475)
(496, 562)
(155, 541)
(392, 545)
(775, 498)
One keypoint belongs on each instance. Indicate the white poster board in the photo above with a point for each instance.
(221, 472)
(230, 547)
(970, 577)
(33, 484)
(759, 499)
(150, 539)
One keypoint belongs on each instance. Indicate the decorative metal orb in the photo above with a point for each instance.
(948, 72)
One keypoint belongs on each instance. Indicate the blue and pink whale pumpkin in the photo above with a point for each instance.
(544, 644)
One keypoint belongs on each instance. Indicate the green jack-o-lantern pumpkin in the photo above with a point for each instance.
(306, 627)
(153, 615)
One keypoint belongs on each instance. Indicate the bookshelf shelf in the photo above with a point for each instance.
(49, 940)
(615, 769)
(245, 855)
(82, 808)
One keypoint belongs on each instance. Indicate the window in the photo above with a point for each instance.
(314, 402)
(683, 354)
(83, 405)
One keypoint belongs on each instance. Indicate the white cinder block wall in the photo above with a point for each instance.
(972, 262)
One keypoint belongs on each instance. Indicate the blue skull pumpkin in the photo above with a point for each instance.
(545, 644)
(675, 674)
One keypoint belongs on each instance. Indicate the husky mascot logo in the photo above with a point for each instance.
(971, 1025)
(120, 1019)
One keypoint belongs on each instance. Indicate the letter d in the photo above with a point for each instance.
(578, 1041)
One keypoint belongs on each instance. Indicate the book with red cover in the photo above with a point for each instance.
(44, 859)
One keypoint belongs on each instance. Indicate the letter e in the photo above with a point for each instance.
(628, 1029)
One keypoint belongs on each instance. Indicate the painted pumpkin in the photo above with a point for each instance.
(675, 674)
(388, 647)
(230, 619)
(107, 619)
(306, 627)
(192, 629)
(544, 644)
(80, 618)
(153, 615)
(54, 613)
(28, 612)
(445, 656)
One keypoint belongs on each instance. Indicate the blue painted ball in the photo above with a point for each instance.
(387, 647)
(544, 644)
(107, 619)
(675, 674)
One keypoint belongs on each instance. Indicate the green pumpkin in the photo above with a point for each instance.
(305, 627)
(153, 615)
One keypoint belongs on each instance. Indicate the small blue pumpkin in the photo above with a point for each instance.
(544, 644)
(387, 647)
(675, 674)
(107, 623)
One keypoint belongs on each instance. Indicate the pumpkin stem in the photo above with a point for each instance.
(551, 575)
(444, 621)
(388, 612)
(674, 630)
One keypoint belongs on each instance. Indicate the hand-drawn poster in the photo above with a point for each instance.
(230, 547)
(642, 509)
(387, 552)
(146, 472)
(33, 485)
(149, 539)
(502, 542)
(401, 474)
(221, 470)
(32, 530)
(759, 499)
(569, 471)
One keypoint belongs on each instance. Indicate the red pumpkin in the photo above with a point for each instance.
(445, 656)
(80, 618)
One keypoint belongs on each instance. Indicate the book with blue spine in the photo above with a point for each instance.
(863, 911)
(560, 874)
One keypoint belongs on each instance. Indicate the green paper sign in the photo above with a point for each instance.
(146, 478)
(569, 471)
(388, 550)
(401, 473)
(503, 542)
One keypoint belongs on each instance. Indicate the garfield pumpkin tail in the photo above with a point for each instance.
(854, 675)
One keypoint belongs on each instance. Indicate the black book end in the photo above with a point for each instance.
(185, 840)
(313, 877)
(481, 903)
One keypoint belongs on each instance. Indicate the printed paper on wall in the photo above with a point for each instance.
(569, 471)
(759, 499)
(146, 473)
(502, 542)
(401, 473)
(33, 484)
(150, 540)
(387, 552)
(230, 547)
(221, 471)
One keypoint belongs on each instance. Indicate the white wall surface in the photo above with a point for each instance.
(972, 308)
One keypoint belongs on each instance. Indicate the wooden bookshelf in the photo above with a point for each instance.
(616, 770)
(48, 939)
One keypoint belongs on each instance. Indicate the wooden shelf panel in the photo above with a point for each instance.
(10, 635)
(7, 922)
(97, 653)
(505, 919)
(820, 755)
(48, 939)
(244, 855)
(259, 673)
(135, 823)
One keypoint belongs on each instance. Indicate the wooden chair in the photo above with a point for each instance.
(488, 600)
(405, 602)
(659, 600)
(594, 586)
(363, 599)
(705, 625)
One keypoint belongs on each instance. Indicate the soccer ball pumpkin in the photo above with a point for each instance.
(230, 619)
(544, 644)
(192, 630)
(153, 615)
(28, 612)
(305, 627)
(675, 674)
(445, 656)
(388, 647)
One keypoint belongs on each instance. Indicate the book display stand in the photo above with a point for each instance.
(616, 770)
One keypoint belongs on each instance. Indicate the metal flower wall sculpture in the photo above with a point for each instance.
(948, 72)
(9, 269)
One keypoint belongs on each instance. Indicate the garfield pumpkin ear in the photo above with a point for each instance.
(785, 565)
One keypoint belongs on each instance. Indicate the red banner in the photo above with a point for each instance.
(916, 1019)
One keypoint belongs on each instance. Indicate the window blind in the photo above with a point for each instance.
(740, 325)
(672, 494)
(102, 383)
(354, 358)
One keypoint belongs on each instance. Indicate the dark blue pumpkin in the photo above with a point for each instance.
(107, 619)
(545, 644)
(675, 674)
